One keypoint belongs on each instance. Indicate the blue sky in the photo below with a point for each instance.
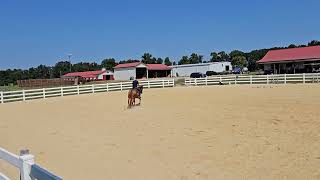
(37, 32)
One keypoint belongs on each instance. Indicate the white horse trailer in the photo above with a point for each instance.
(186, 69)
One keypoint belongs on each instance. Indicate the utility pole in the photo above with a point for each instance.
(69, 57)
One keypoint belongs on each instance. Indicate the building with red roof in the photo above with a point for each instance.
(139, 70)
(293, 60)
(90, 75)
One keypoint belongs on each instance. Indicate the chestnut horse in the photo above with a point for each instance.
(133, 94)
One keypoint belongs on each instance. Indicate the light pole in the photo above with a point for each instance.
(69, 57)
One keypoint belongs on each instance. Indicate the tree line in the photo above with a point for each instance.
(236, 57)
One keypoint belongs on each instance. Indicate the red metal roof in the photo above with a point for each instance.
(87, 74)
(293, 54)
(127, 65)
(157, 67)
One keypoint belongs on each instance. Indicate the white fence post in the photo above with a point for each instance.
(304, 78)
(195, 82)
(250, 79)
(61, 91)
(23, 95)
(149, 84)
(267, 79)
(172, 82)
(27, 161)
(285, 78)
(206, 81)
(78, 89)
(107, 87)
(44, 93)
(162, 83)
(121, 86)
(92, 88)
(1, 97)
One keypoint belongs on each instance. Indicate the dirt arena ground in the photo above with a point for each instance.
(186, 133)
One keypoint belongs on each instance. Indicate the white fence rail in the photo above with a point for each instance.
(254, 79)
(23, 95)
(27, 168)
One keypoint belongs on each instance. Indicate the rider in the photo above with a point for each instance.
(135, 84)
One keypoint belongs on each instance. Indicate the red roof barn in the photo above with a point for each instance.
(140, 70)
(91, 75)
(293, 60)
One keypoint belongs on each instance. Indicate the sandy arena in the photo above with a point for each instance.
(186, 133)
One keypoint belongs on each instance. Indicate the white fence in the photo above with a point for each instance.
(23, 95)
(254, 79)
(27, 168)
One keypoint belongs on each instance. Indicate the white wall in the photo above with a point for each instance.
(124, 73)
(100, 77)
(220, 66)
(186, 70)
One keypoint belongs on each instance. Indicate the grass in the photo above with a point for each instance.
(10, 88)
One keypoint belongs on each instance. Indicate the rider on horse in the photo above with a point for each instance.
(135, 84)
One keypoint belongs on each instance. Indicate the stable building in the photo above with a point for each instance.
(139, 70)
(186, 69)
(100, 75)
(293, 60)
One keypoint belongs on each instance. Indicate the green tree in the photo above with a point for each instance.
(214, 57)
(108, 63)
(195, 58)
(239, 61)
(167, 61)
(61, 68)
(236, 53)
(148, 59)
(314, 43)
(292, 46)
(159, 61)
(223, 56)
(184, 60)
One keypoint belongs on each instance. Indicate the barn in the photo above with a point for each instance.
(90, 75)
(187, 69)
(291, 61)
(139, 70)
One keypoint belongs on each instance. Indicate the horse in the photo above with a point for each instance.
(133, 94)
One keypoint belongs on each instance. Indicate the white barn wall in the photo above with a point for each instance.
(100, 76)
(220, 67)
(124, 73)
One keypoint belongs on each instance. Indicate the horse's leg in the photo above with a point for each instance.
(129, 102)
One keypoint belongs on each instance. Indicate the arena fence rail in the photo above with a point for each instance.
(23, 95)
(254, 79)
(27, 168)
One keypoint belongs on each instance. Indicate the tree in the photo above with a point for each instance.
(235, 53)
(159, 61)
(148, 59)
(223, 56)
(214, 57)
(195, 58)
(61, 68)
(108, 63)
(314, 43)
(292, 46)
(128, 61)
(174, 63)
(184, 60)
(167, 61)
(239, 61)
